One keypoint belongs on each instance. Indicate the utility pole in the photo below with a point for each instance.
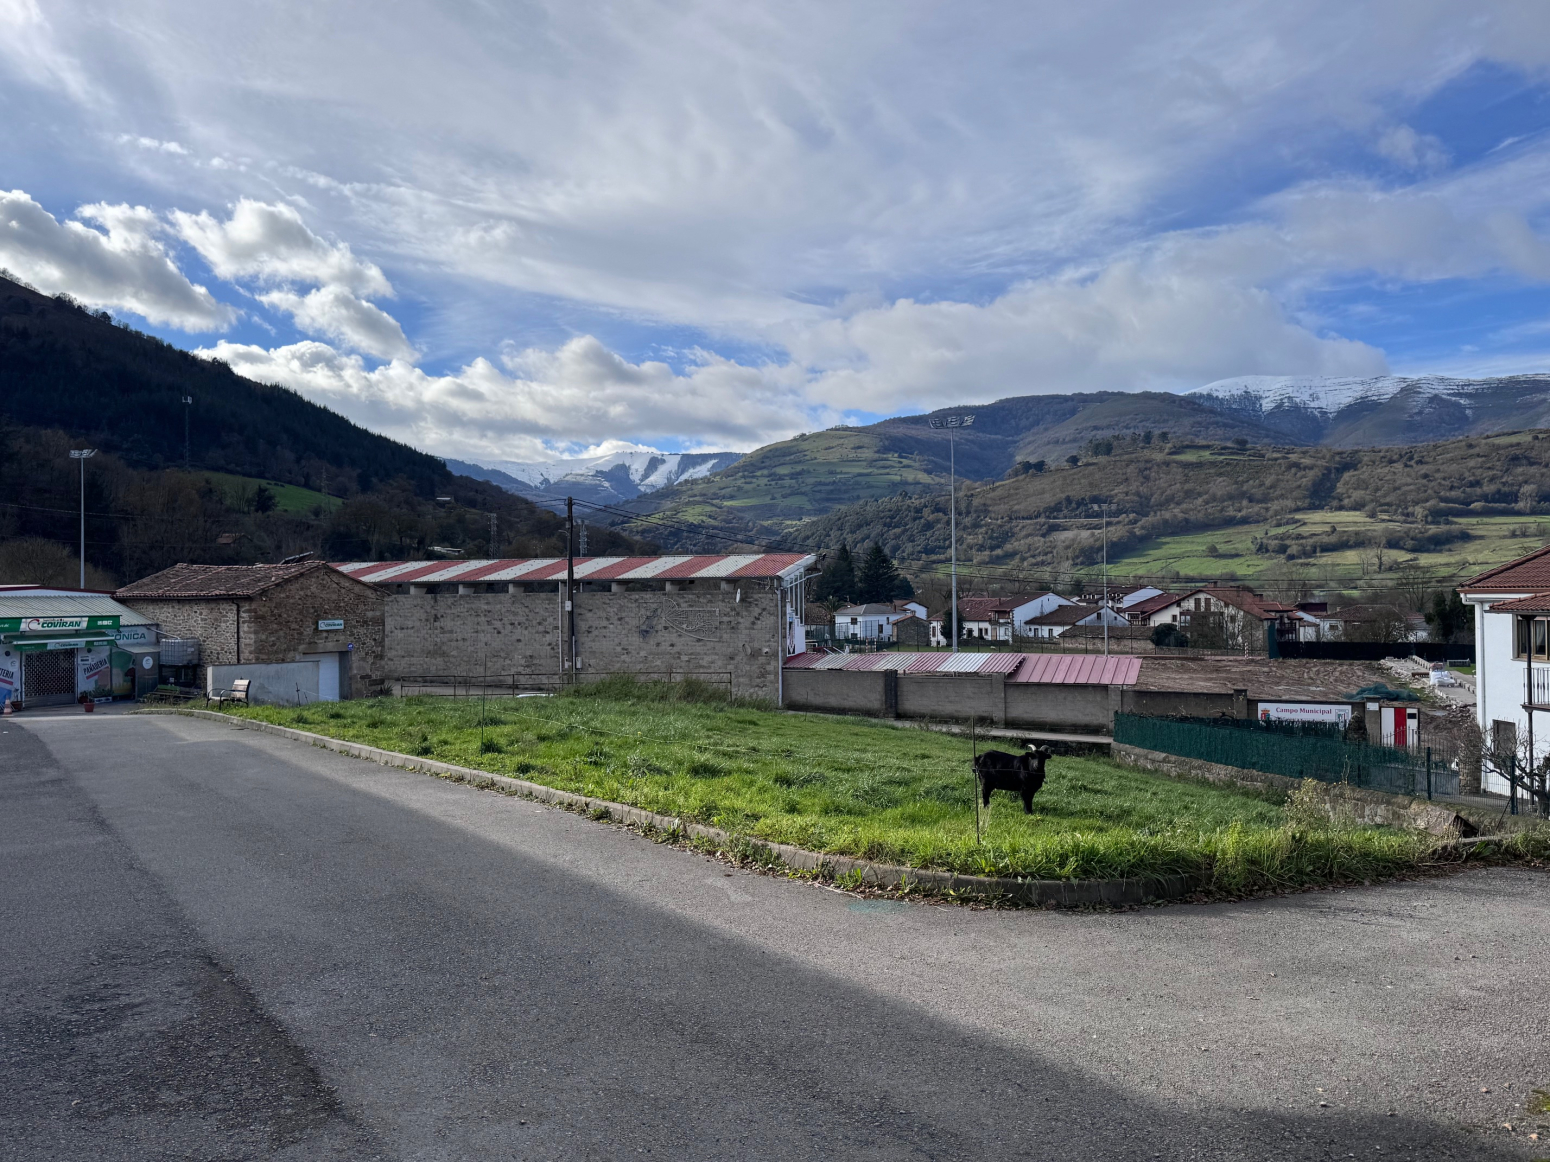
(188, 406)
(950, 423)
(1103, 614)
(570, 581)
(83, 455)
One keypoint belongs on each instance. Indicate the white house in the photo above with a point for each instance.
(1001, 619)
(871, 622)
(1512, 659)
(1063, 617)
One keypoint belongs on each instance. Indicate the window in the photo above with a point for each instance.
(1531, 629)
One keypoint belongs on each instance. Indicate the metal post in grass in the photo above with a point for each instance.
(1428, 773)
(1512, 781)
(974, 743)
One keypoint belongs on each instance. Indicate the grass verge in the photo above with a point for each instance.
(866, 789)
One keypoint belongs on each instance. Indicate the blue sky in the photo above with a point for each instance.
(509, 232)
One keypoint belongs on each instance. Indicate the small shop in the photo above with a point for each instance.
(59, 647)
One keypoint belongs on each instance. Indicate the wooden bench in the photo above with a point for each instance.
(237, 693)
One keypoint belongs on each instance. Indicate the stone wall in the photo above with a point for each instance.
(213, 622)
(727, 638)
(281, 625)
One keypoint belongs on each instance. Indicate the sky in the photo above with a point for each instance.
(519, 230)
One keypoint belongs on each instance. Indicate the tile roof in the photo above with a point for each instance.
(733, 566)
(1065, 615)
(1151, 605)
(194, 582)
(1530, 573)
(1537, 603)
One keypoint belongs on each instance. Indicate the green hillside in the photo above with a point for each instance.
(240, 492)
(1306, 515)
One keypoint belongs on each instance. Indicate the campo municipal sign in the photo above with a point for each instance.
(56, 624)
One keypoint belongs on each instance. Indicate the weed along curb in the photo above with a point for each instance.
(846, 871)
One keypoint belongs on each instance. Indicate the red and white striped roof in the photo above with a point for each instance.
(726, 567)
(1040, 669)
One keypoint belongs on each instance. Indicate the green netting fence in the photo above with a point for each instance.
(1297, 752)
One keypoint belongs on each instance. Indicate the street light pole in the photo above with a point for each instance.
(951, 422)
(83, 455)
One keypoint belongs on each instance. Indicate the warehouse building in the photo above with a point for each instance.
(59, 646)
(728, 619)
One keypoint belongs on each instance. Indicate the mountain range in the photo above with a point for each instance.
(609, 479)
(772, 490)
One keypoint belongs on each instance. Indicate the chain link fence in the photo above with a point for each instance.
(1298, 751)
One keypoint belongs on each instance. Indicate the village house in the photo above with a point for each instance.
(1512, 664)
(1002, 619)
(1058, 620)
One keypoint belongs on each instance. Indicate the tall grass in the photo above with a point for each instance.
(866, 788)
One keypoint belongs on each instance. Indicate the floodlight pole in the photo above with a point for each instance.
(83, 455)
(951, 422)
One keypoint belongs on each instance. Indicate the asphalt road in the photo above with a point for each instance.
(219, 945)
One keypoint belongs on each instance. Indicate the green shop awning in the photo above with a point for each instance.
(31, 645)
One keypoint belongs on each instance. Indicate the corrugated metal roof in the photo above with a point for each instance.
(1034, 669)
(51, 604)
(728, 566)
(1079, 669)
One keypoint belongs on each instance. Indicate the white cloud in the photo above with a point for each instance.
(335, 312)
(1405, 147)
(153, 144)
(578, 396)
(125, 268)
(269, 242)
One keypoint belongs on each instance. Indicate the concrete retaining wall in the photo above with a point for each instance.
(275, 684)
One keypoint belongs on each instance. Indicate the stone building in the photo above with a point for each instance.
(316, 624)
(729, 620)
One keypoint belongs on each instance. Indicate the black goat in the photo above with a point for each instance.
(1021, 774)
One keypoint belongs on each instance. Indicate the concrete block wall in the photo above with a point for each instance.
(988, 698)
(723, 637)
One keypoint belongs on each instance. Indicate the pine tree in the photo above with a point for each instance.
(837, 583)
(879, 579)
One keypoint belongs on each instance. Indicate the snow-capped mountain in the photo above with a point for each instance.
(1382, 409)
(609, 479)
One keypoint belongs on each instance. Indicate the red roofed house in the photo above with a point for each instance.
(1512, 660)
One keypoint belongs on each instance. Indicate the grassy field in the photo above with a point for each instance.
(1492, 540)
(863, 788)
(291, 498)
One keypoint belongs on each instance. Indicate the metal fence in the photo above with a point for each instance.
(1297, 751)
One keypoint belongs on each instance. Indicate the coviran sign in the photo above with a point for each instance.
(56, 624)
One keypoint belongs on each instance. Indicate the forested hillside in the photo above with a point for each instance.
(70, 378)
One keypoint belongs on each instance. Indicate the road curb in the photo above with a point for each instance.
(1045, 893)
